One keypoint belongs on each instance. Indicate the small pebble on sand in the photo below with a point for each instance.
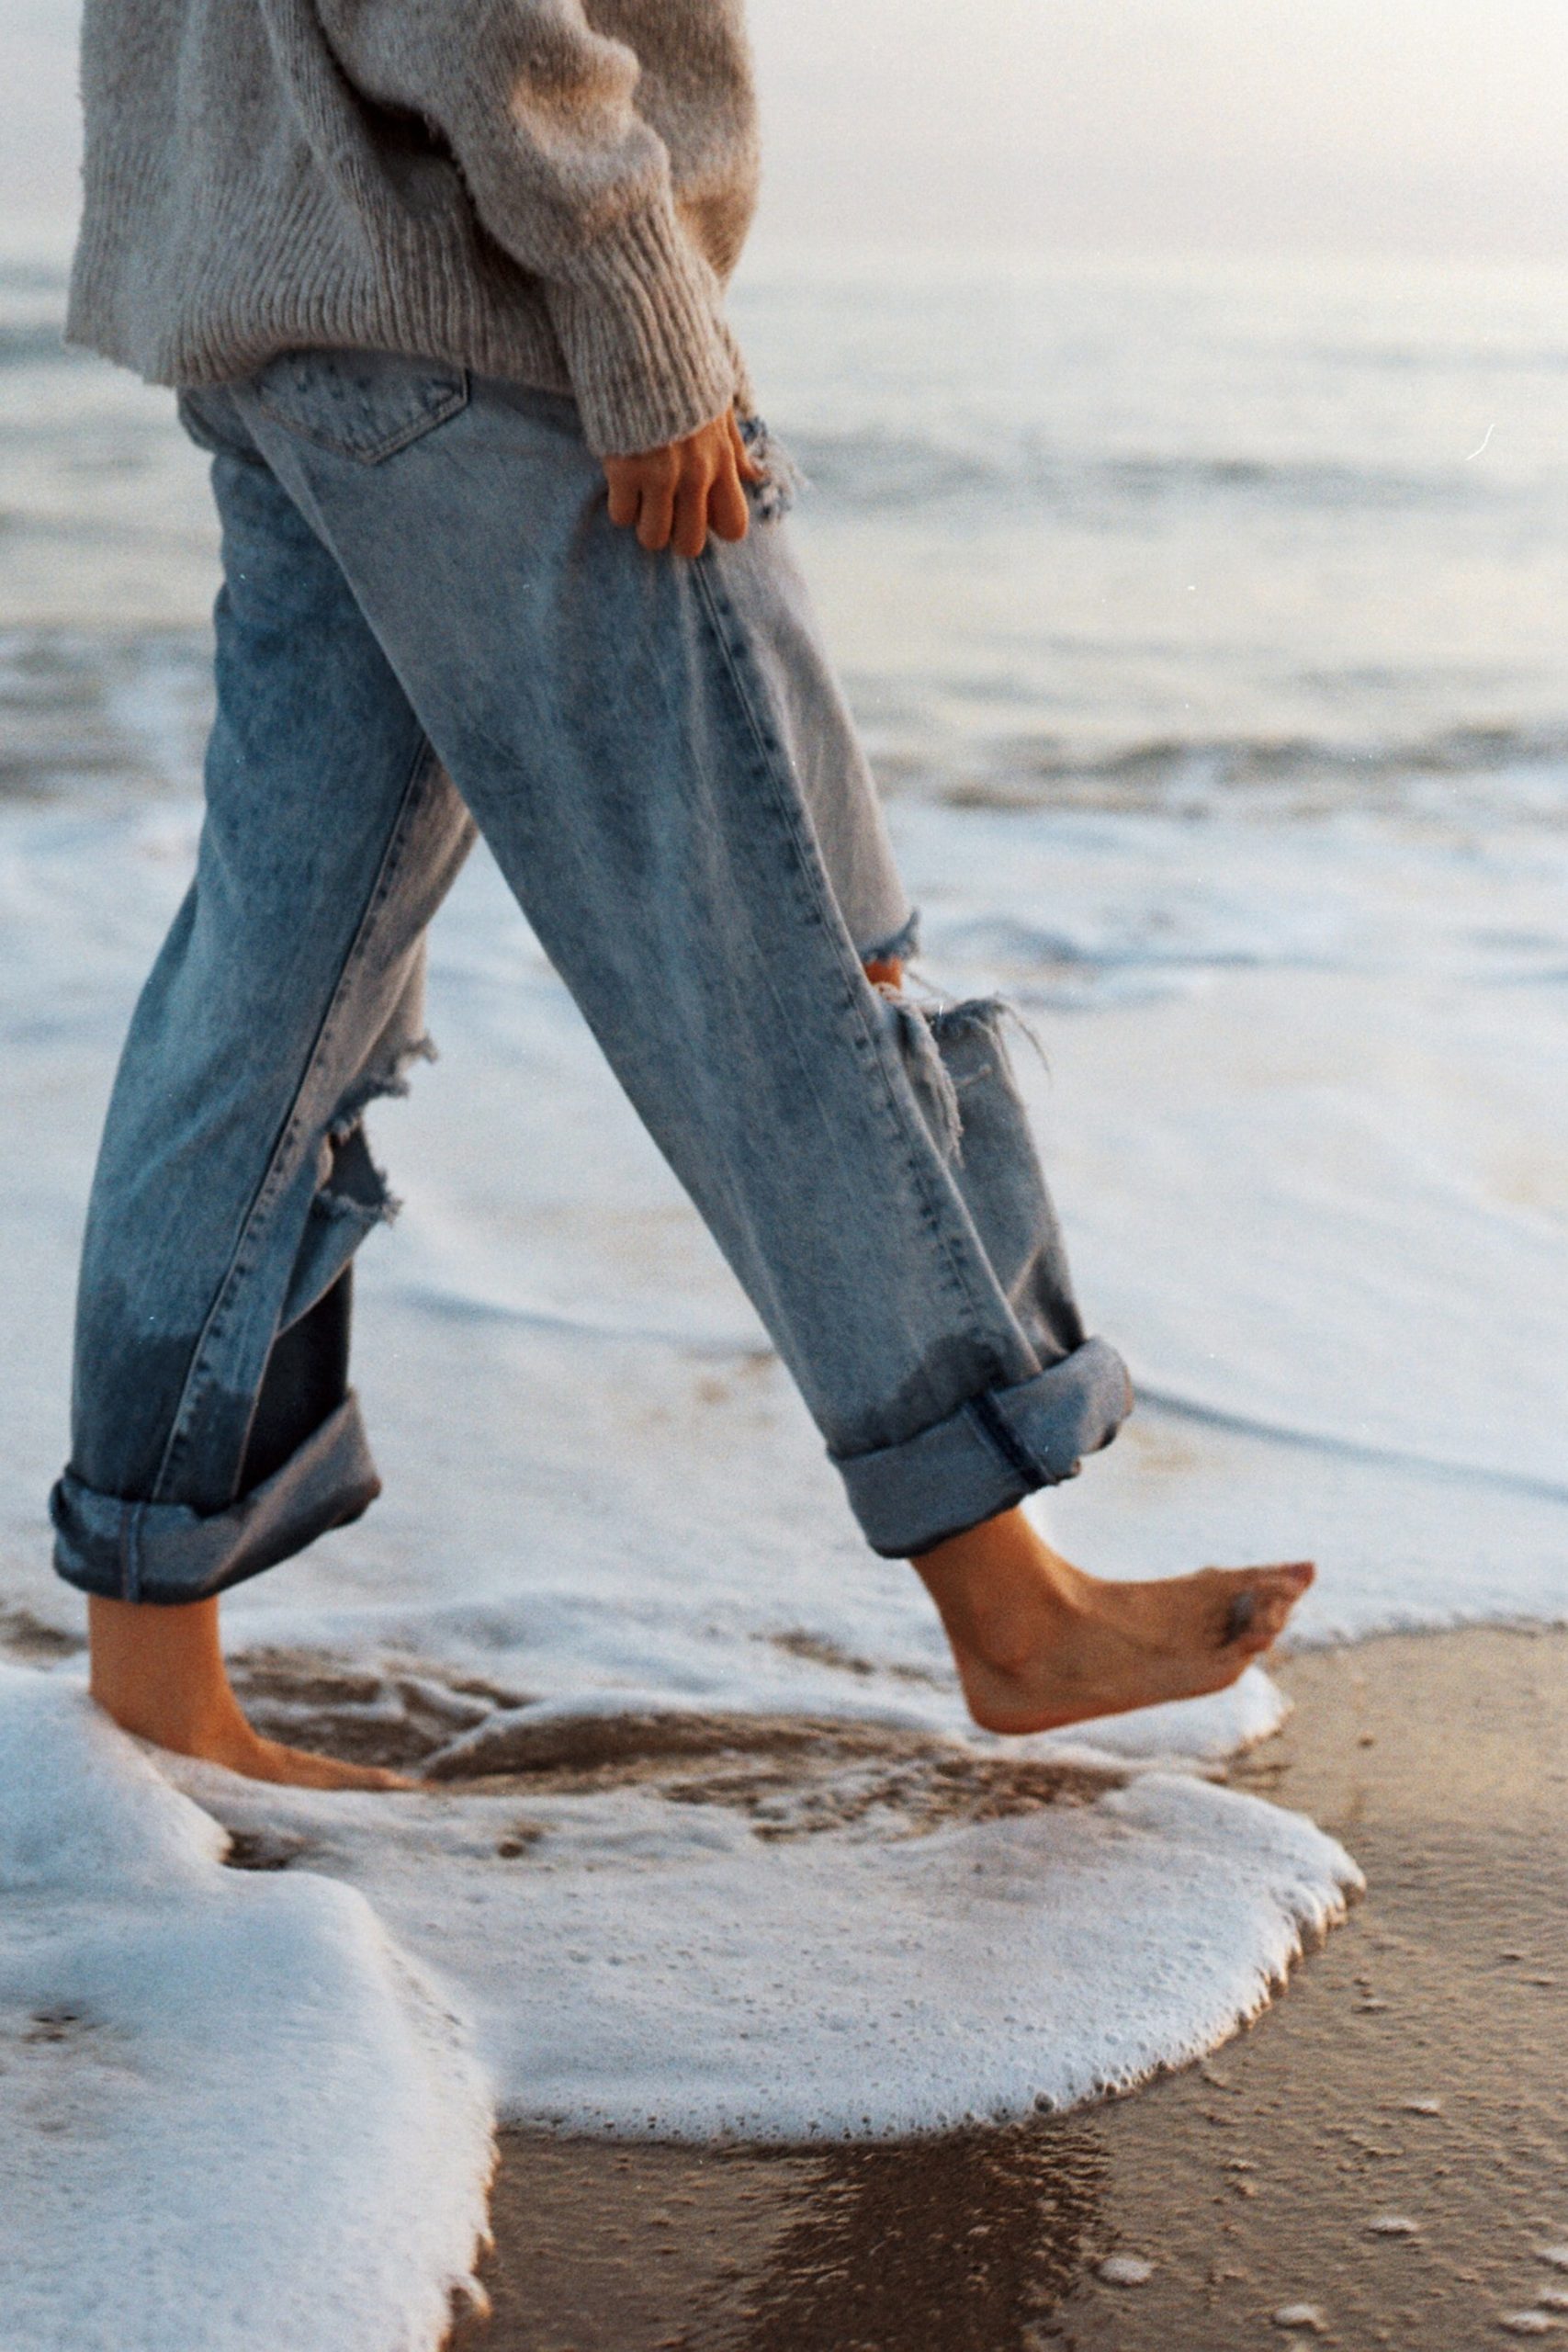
(1305, 2316)
(1393, 2225)
(1127, 2270)
(1526, 2322)
(1423, 2106)
(1556, 2255)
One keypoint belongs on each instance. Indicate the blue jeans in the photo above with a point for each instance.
(428, 624)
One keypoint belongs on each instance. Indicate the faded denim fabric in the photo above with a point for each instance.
(428, 622)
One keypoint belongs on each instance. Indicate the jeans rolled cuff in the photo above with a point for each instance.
(166, 1553)
(988, 1454)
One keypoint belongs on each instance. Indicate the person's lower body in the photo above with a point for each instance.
(429, 624)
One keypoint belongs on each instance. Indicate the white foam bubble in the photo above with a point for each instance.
(1125, 2270)
(649, 1966)
(236, 2114)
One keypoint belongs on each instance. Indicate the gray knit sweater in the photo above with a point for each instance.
(548, 190)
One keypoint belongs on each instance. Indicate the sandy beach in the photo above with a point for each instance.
(1416, 2073)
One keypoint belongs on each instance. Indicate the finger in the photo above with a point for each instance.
(729, 517)
(656, 516)
(691, 512)
(625, 496)
(746, 465)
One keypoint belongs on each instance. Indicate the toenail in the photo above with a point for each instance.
(1244, 1608)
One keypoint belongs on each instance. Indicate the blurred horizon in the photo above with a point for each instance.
(1214, 127)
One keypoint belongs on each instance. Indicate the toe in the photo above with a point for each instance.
(1259, 1615)
(1258, 1603)
(301, 1768)
(371, 1776)
(1240, 1617)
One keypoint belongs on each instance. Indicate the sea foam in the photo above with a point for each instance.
(235, 2113)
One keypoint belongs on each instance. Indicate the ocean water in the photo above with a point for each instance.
(1206, 625)
(1110, 532)
(1131, 532)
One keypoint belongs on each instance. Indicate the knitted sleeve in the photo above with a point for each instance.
(540, 113)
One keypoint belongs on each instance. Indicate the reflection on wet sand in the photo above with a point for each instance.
(1416, 2072)
(969, 2242)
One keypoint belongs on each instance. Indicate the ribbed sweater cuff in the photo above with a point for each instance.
(641, 325)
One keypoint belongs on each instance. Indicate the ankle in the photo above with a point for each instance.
(1001, 1590)
(187, 1722)
(159, 1671)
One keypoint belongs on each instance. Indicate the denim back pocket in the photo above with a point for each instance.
(363, 404)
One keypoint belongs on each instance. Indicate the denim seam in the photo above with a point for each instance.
(768, 751)
(281, 1161)
(129, 1549)
(814, 912)
(206, 435)
(451, 404)
(808, 875)
(989, 1417)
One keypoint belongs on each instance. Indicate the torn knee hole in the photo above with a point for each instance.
(348, 1183)
(387, 1076)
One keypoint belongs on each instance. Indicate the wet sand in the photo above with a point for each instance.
(1416, 2074)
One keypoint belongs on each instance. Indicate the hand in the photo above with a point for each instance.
(678, 495)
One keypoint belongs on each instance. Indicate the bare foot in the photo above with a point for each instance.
(160, 1673)
(1038, 1643)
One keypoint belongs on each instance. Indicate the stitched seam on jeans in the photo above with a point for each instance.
(280, 1165)
(131, 1551)
(207, 438)
(768, 751)
(988, 1413)
(808, 872)
(281, 1160)
(451, 404)
(809, 877)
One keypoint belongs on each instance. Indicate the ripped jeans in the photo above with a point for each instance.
(428, 624)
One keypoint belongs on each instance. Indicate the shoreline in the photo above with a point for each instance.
(1414, 2072)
